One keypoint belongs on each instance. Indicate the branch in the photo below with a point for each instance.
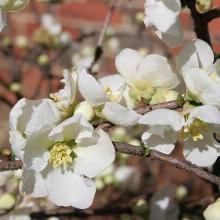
(82, 214)
(167, 105)
(200, 23)
(212, 14)
(99, 50)
(138, 151)
(180, 164)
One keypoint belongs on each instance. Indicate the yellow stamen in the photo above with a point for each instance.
(196, 129)
(62, 154)
(109, 93)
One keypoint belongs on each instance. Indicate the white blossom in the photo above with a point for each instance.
(144, 75)
(65, 97)
(59, 162)
(28, 116)
(106, 96)
(201, 75)
(200, 133)
(163, 128)
(164, 15)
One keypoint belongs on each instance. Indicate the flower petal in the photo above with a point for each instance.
(120, 115)
(159, 139)
(90, 89)
(160, 9)
(156, 70)
(115, 82)
(202, 86)
(206, 113)
(172, 37)
(195, 54)
(93, 159)
(75, 127)
(201, 153)
(163, 117)
(33, 184)
(36, 154)
(126, 63)
(66, 188)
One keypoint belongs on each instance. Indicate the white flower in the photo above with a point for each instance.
(144, 74)
(105, 95)
(65, 97)
(164, 15)
(11, 6)
(200, 133)
(164, 125)
(60, 161)
(27, 117)
(201, 76)
(50, 24)
(212, 212)
(162, 205)
(201, 130)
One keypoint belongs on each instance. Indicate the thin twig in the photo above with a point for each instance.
(99, 49)
(180, 164)
(167, 105)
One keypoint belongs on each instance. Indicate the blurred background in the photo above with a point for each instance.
(49, 36)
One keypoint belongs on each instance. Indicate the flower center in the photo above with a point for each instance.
(62, 154)
(196, 129)
(109, 93)
(141, 89)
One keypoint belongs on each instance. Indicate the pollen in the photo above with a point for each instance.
(109, 93)
(55, 97)
(196, 129)
(62, 154)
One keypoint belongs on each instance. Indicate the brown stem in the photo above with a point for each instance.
(200, 23)
(180, 164)
(167, 105)
(138, 151)
(212, 14)
(99, 50)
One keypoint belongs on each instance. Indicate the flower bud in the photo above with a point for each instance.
(43, 60)
(85, 109)
(203, 6)
(15, 87)
(140, 207)
(7, 201)
(118, 134)
(212, 212)
(21, 42)
(13, 5)
(181, 192)
(163, 95)
(135, 142)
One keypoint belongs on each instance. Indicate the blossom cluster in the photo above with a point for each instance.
(62, 152)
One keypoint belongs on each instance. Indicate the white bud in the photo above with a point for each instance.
(135, 142)
(118, 134)
(13, 5)
(85, 109)
(212, 212)
(21, 41)
(7, 201)
(181, 192)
